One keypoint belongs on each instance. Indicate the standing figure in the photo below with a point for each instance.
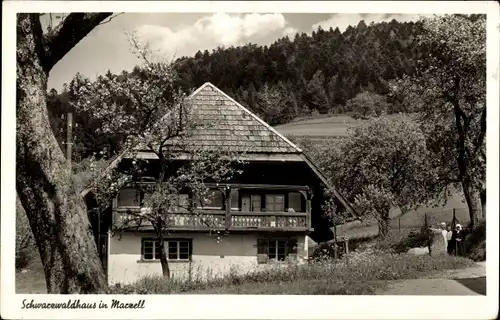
(449, 237)
(459, 239)
(440, 243)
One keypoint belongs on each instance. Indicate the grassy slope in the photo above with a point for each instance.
(32, 281)
(321, 127)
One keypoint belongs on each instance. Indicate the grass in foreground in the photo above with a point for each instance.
(32, 280)
(361, 276)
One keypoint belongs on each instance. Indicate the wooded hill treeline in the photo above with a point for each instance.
(316, 73)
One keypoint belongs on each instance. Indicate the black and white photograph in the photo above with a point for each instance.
(246, 155)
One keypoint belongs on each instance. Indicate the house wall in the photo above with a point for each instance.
(209, 258)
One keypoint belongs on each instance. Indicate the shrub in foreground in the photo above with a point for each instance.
(359, 276)
(475, 242)
(401, 242)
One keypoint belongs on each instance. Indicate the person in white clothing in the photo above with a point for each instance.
(444, 236)
(444, 232)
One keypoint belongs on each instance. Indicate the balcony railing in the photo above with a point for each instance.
(229, 219)
(131, 218)
(286, 220)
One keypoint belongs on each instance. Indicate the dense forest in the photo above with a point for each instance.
(320, 71)
(312, 73)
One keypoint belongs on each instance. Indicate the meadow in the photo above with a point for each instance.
(367, 272)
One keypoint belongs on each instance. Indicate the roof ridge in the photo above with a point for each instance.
(268, 127)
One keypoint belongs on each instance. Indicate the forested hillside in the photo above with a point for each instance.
(310, 74)
(318, 72)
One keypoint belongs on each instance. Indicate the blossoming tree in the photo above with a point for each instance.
(156, 117)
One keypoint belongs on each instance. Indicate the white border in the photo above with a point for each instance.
(251, 307)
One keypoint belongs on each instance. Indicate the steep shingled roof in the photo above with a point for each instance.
(223, 122)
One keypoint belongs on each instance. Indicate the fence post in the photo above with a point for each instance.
(346, 244)
(335, 255)
(454, 224)
(426, 227)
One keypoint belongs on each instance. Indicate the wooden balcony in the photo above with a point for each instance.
(129, 218)
(234, 219)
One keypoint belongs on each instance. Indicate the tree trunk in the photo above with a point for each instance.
(165, 268)
(383, 225)
(483, 202)
(473, 199)
(56, 213)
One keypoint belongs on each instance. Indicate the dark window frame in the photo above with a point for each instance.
(266, 245)
(263, 193)
(156, 256)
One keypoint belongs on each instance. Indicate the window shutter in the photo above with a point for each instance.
(292, 248)
(256, 202)
(235, 204)
(245, 203)
(262, 250)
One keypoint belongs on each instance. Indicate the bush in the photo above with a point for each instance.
(416, 240)
(398, 242)
(475, 242)
(326, 250)
(478, 253)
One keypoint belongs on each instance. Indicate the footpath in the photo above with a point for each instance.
(467, 281)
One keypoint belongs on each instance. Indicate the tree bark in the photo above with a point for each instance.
(473, 199)
(383, 224)
(55, 211)
(483, 202)
(165, 268)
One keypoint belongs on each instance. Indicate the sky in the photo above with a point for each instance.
(173, 35)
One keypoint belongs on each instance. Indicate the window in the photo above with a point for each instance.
(268, 201)
(129, 197)
(178, 249)
(275, 203)
(214, 200)
(175, 249)
(276, 249)
(295, 202)
(150, 249)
